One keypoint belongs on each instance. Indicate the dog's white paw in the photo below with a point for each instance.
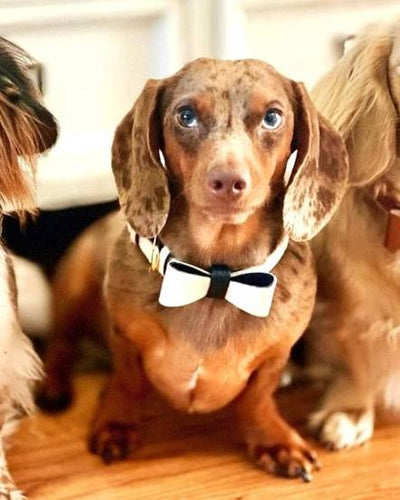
(342, 429)
(8, 491)
(11, 494)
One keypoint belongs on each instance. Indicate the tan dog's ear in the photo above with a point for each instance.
(141, 180)
(357, 97)
(320, 173)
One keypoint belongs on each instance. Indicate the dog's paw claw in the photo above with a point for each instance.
(287, 460)
(114, 441)
(306, 476)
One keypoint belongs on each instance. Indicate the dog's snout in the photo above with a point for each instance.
(226, 182)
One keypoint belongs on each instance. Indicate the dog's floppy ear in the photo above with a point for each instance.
(320, 173)
(357, 96)
(141, 180)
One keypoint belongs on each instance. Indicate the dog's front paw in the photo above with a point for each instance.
(342, 429)
(287, 460)
(114, 441)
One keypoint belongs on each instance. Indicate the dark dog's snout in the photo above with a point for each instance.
(226, 182)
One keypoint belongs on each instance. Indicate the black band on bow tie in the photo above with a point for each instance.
(220, 277)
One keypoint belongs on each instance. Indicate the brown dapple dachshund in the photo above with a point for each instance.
(222, 206)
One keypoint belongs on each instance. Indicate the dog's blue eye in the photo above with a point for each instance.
(272, 119)
(187, 117)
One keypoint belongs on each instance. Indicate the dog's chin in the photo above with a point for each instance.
(234, 217)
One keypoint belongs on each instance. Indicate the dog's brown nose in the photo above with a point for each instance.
(226, 182)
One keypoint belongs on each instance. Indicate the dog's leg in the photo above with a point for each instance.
(114, 432)
(77, 296)
(346, 415)
(56, 392)
(272, 443)
(8, 490)
(8, 422)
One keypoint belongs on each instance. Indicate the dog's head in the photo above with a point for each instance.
(226, 130)
(26, 128)
(361, 97)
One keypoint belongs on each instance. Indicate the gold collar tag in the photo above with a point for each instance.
(155, 256)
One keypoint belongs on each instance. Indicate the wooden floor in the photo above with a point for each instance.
(187, 458)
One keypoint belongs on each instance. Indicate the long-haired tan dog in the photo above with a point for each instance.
(226, 130)
(356, 328)
(26, 129)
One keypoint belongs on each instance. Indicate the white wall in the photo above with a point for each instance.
(97, 55)
(301, 38)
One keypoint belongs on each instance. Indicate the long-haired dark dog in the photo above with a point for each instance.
(26, 129)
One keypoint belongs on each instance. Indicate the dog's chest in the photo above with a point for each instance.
(210, 352)
(201, 356)
(196, 382)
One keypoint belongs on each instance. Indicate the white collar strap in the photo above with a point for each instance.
(250, 290)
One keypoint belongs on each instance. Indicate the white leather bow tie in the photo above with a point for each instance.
(251, 289)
